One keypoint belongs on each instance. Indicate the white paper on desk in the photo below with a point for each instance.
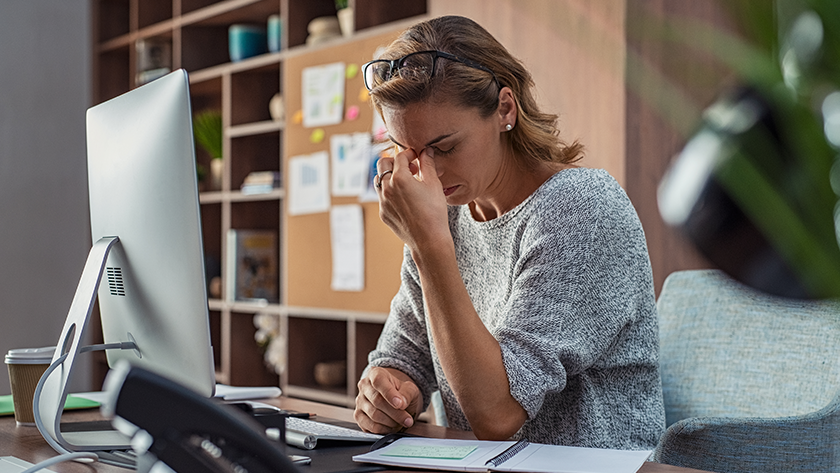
(350, 159)
(309, 190)
(323, 94)
(241, 393)
(347, 235)
(539, 458)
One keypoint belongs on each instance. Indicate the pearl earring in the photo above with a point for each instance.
(508, 127)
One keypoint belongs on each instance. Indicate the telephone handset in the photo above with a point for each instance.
(189, 433)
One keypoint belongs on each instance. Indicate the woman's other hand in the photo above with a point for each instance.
(388, 401)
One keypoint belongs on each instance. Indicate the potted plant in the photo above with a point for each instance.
(207, 129)
(345, 17)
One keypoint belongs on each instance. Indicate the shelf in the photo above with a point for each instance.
(252, 141)
(257, 128)
(320, 394)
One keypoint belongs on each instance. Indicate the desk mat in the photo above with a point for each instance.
(7, 406)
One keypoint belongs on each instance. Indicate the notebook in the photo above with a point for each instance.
(479, 455)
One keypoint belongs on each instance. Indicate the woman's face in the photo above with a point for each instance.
(468, 153)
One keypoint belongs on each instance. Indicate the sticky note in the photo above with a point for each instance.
(364, 95)
(351, 71)
(317, 135)
(426, 451)
(352, 112)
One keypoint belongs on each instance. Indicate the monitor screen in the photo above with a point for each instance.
(143, 189)
(146, 265)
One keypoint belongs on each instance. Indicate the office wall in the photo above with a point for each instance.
(575, 52)
(44, 229)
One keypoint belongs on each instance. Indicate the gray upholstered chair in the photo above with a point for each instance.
(750, 381)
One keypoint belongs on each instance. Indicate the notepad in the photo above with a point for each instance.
(534, 457)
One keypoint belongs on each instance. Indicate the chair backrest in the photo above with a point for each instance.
(728, 350)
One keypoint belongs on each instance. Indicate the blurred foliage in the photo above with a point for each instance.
(207, 129)
(773, 140)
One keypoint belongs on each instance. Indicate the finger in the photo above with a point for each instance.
(386, 386)
(377, 409)
(371, 419)
(390, 400)
(427, 163)
(371, 423)
(384, 163)
(402, 160)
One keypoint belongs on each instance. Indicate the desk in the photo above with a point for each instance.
(26, 442)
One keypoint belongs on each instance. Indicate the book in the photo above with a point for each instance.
(484, 455)
(252, 272)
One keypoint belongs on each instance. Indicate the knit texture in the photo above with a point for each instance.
(564, 283)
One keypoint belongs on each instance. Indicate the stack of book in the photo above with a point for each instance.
(260, 182)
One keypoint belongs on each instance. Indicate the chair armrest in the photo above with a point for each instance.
(807, 443)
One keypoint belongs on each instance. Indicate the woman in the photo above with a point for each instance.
(526, 295)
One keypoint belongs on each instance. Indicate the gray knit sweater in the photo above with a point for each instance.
(563, 282)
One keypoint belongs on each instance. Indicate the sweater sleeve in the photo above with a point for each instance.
(582, 277)
(404, 343)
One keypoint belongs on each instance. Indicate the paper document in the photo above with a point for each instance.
(323, 94)
(347, 238)
(240, 393)
(477, 455)
(309, 189)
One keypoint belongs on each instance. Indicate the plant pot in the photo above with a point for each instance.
(216, 169)
(346, 21)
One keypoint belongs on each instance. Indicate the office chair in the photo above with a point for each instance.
(751, 382)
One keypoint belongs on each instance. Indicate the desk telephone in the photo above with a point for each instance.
(187, 432)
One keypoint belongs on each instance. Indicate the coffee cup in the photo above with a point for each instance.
(26, 366)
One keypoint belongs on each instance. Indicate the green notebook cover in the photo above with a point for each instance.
(7, 407)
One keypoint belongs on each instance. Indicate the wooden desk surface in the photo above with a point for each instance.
(26, 442)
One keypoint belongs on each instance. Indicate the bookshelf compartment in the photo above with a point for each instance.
(216, 339)
(247, 366)
(211, 230)
(312, 341)
(113, 19)
(253, 153)
(113, 74)
(206, 95)
(367, 334)
(204, 46)
(370, 13)
(150, 12)
(300, 14)
(251, 92)
(261, 215)
(190, 5)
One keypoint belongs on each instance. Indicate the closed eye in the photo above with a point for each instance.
(443, 151)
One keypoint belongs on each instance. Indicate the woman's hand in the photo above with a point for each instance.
(388, 401)
(411, 200)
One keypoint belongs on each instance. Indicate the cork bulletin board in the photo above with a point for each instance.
(307, 237)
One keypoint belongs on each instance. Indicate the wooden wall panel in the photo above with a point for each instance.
(654, 138)
(575, 52)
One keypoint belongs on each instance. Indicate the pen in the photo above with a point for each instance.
(301, 415)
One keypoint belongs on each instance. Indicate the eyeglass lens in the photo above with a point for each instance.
(415, 67)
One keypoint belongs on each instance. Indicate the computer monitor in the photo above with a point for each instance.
(147, 260)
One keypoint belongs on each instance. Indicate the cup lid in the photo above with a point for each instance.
(30, 356)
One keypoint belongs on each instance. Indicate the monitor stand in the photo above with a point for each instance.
(53, 384)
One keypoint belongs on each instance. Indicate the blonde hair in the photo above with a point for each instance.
(535, 136)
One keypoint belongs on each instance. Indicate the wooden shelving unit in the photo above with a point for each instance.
(197, 31)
